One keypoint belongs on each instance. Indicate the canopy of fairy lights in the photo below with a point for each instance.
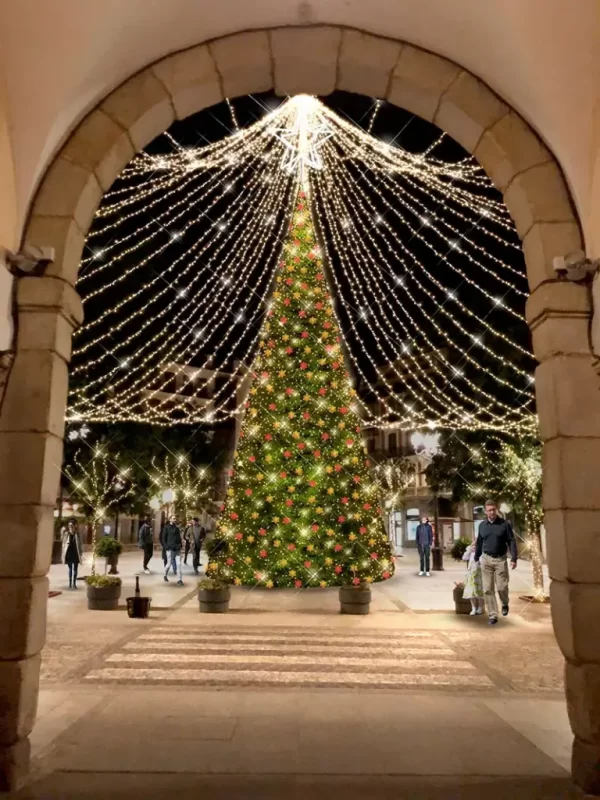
(421, 256)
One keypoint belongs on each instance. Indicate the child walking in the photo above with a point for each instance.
(473, 581)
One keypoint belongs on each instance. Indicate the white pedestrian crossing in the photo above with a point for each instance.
(294, 657)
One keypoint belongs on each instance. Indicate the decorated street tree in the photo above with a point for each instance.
(189, 487)
(100, 486)
(301, 508)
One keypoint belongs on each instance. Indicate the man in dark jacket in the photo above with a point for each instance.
(424, 543)
(171, 542)
(146, 543)
(494, 540)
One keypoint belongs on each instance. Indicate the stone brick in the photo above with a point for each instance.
(582, 684)
(18, 698)
(585, 766)
(69, 190)
(538, 195)
(509, 147)
(570, 474)
(568, 397)
(244, 63)
(49, 293)
(14, 765)
(22, 617)
(93, 139)
(191, 79)
(45, 331)
(26, 541)
(114, 162)
(30, 465)
(36, 394)
(67, 239)
(142, 106)
(366, 63)
(556, 335)
(467, 109)
(543, 242)
(573, 544)
(576, 619)
(419, 81)
(305, 60)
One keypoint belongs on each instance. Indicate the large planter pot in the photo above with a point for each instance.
(354, 601)
(461, 606)
(112, 562)
(214, 601)
(103, 598)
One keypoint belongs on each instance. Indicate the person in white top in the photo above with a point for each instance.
(473, 590)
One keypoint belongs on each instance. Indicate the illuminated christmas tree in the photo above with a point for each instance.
(301, 508)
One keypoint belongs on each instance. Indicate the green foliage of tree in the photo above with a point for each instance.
(473, 467)
(301, 509)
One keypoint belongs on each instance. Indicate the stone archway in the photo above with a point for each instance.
(313, 60)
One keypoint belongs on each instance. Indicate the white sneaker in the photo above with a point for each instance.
(474, 612)
(421, 573)
(147, 571)
(479, 611)
(428, 574)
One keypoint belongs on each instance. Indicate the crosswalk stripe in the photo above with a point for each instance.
(284, 633)
(349, 640)
(399, 664)
(229, 677)
(226, 647)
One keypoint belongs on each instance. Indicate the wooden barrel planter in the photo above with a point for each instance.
(354, 600)
(461, 606)
(214, 601)
(103, 598)
(138, 607)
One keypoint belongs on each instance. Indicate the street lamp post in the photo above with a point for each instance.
(428, 446)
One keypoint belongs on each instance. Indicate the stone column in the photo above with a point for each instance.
(568, 396)
(31, 434)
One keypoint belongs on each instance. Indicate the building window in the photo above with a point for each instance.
(393, 444)
(413, 518)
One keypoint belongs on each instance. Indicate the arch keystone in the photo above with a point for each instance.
(305, 60)
(243, 62)
(191, 79)
(366, 63)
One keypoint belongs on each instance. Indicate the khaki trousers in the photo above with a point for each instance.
(494, 572)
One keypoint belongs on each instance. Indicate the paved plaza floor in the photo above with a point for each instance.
(284, 697)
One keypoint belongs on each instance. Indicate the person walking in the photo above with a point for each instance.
(146, 543)
(494, 540)
(187, 540)
(196, 534)
(72, 551)
(172, 542)
(424, 543)
(473, 590)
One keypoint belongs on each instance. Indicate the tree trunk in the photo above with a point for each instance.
(534, 540)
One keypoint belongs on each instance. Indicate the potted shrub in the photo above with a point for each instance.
(355, 598)
(461, 606)
(103, 592)
(109, 548)
(213, 596)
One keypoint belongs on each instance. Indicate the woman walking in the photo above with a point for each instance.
(473, 580)
(72, 550)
